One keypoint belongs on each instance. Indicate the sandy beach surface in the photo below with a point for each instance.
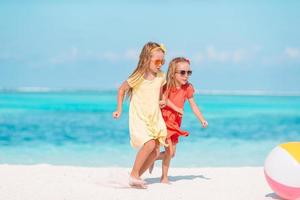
(50, 182)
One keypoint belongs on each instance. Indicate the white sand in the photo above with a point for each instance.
(47, 182)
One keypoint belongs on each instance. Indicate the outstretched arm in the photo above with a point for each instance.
(197, 112)
(121, 92)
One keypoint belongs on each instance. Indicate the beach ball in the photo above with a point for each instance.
(282, 170)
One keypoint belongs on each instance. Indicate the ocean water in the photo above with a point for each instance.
(77, 128)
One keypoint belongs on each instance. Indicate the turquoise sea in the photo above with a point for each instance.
(77, 128)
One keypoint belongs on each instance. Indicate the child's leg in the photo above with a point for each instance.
(141, 157)
(151, 158)
(169, 153)
(160, 156)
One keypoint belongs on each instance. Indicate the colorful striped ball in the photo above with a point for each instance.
(282, 170)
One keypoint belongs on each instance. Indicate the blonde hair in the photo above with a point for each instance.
(143, 64)
(171, 73)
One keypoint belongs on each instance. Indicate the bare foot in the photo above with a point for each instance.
(164, 180)
(151, 168)
(137, 183)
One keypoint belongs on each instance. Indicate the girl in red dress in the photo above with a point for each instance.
(176, 92)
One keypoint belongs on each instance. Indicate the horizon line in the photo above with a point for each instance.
(26, 89)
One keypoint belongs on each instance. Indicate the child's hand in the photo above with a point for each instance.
(204, 124)
(162, 103)
(116, 114)
(180, 111)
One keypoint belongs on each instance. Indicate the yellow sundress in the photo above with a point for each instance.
(145, 118)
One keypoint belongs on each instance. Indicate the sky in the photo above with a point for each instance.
(232, 45)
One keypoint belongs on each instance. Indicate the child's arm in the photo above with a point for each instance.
(174, 107)
(197, 112)
(162, 98)
(164, 101)
(121, 92)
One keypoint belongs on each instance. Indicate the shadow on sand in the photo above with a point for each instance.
(176, 178)
(273, 196)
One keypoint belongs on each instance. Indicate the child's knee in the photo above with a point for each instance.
(171, 153)
(150, 145)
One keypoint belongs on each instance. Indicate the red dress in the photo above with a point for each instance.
(172, 118)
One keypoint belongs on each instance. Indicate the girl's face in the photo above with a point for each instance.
(157, 60)
(182, 73)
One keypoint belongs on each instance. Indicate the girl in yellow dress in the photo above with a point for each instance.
(146, 125)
